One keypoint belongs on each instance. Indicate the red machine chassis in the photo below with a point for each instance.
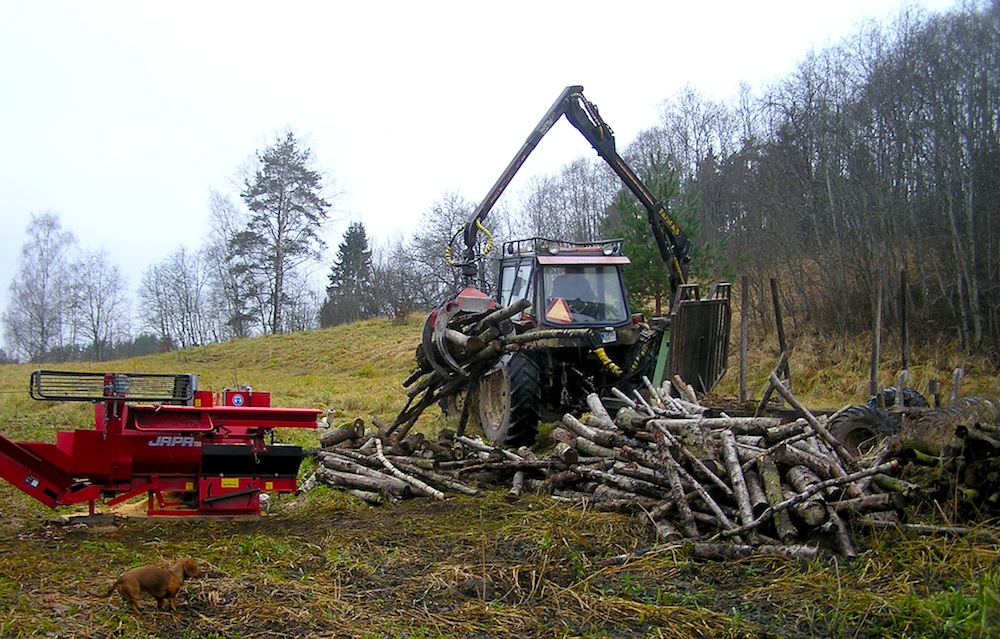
(188, 453)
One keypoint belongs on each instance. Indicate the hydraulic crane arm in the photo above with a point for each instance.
(674, 245)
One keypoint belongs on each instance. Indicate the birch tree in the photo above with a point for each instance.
(37, 319)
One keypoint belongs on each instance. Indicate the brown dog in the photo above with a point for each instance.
(161, 584)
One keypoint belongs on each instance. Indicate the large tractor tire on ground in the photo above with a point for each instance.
(911, 398)
(981, 409)
(861, 428)
(509, 398)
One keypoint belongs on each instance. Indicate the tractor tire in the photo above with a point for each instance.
(509, 399)
(911, 398)
(861, 428)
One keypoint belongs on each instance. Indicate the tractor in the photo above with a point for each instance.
(569, 329)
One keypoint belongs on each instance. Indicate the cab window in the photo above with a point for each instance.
(583, 294)
(515, 282)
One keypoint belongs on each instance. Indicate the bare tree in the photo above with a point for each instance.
(234, 295)
(173, 300)
(302, 307)
(695, 130)
(429, 253)
(394, 280)
(101, 302)
(539, 206)
(588, 186)
(874, 156)
(37, 318)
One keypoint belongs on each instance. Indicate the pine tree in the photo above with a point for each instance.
(350, 296)
(287, 214)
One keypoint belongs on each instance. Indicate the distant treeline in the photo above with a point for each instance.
(875, 158)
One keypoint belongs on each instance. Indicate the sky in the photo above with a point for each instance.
(122, 117)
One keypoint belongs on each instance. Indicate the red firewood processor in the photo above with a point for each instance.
(192, 452)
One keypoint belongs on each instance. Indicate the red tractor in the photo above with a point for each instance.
(570, 330)
(191, 452)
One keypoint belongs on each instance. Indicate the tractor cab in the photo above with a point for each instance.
(569, 284)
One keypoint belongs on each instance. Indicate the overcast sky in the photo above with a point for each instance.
(121, 116)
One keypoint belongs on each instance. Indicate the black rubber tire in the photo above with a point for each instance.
(509, 401)
(860, 428)
(911, 398)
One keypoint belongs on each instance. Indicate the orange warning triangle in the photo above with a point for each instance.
(558, 311)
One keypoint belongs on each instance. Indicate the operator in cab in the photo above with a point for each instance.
(572, 297)
(573, 285)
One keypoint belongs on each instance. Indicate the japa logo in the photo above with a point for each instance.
(173, 440)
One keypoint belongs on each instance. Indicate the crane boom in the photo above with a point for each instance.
(673, 244)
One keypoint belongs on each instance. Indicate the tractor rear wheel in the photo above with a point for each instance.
(861, 428)
(509, 398)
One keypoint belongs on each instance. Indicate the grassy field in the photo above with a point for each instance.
(325, 565)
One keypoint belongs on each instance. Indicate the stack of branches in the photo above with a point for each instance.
(753, 482)
(460, 347)
(731, 485)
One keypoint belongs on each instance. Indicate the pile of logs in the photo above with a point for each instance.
(742, 482)
(954, 454)
(459, 346)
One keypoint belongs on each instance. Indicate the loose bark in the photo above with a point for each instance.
(840, 534)
(516, 487)
(680, 500)
(598, 410)
(811, 510)
(755, 488)
(870, 503)
(418, 485)
(384, 484)
(771, 480)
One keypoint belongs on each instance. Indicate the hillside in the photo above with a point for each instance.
(357, 369)
(354, 369)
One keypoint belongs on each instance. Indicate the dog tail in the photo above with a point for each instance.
(113, 588)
